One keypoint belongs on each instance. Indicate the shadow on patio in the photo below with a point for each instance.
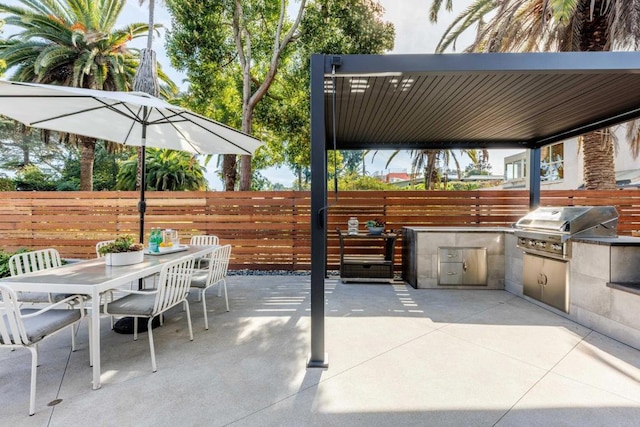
(397, 356)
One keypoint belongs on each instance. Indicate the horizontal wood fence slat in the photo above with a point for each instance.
(269, 230)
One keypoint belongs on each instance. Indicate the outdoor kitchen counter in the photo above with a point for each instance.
(605, 286)
(425, 247)
(610, 241)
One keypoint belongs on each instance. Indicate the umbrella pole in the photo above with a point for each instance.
(125, 325)
(142, 204)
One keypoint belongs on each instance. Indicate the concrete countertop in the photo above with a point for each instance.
(463, 229)
(610, 241)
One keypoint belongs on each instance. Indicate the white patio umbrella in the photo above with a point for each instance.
(130, 118)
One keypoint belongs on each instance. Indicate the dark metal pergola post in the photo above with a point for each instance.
(534, 178)
(318, 358)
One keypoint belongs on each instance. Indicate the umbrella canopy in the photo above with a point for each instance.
(130, 118)
(120, 117)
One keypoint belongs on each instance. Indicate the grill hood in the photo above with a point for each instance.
(572, 221)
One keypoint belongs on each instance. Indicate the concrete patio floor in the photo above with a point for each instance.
(397, 356)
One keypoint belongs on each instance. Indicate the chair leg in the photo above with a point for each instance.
(135, 328)
(204, 308)
(34, 372)
(189, 321)
(226, 297)
(73, 338)
(151, 347)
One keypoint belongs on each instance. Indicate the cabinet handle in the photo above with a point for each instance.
(464, 265)
(451, 273)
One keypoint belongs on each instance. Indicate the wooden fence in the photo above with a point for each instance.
(268, 230)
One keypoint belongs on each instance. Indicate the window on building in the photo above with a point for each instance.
(516, 169)
(552, 162)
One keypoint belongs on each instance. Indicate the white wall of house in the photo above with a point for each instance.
(625, 165)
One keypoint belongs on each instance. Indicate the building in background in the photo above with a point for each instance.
(562, 166)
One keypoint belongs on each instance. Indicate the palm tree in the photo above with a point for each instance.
(71, 43)
(542, 25)
(167, 170)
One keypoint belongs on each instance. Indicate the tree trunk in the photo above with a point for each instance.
(247, 127)
(599, 170)
(599, 167)
(432, 156)
(229, 172)
(87, 156)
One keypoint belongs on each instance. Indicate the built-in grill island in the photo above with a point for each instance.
(545, 236)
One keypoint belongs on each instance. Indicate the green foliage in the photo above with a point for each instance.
(72, 43)
(516, 25)
(31, 178)
(167, 170)
(357, 182)
(105, 168)
(7, 184)
(376, 222)
(328, 26)
(121, 244)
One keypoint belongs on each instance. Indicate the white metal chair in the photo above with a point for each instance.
(28, 262)
(215, 274)
(173, 288)
(27, 327)
(204, 240)
(42, 259)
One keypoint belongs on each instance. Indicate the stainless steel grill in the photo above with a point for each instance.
(546, 231)
(545, 235)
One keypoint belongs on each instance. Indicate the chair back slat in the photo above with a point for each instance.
(173, 284)
(28, 262)
(204, 240)
(12, 328)
(219, 264)
(101, 244)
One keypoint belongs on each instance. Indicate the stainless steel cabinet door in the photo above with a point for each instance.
(545, 279)
(474, 266)
(555, 291)
(531, 270)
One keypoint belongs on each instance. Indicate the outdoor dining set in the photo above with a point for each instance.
(44, 296)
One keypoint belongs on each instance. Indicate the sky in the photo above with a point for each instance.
(414, 34)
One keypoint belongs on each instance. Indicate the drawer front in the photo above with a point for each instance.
(450, 254)
(450, 273)
(367, 271)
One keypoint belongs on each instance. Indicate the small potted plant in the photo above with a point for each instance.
(375, 226)
(122, 251)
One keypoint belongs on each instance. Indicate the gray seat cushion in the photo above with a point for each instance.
(199, 279)
(40, 297)
(46, 323)
(133, 304)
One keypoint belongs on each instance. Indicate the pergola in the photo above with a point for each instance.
(500, 100)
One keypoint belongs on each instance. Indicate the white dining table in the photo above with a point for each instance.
(93, 278)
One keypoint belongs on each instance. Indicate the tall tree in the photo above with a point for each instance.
(543, 25)
(328, 27)
(71, 43)
(250, 36)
